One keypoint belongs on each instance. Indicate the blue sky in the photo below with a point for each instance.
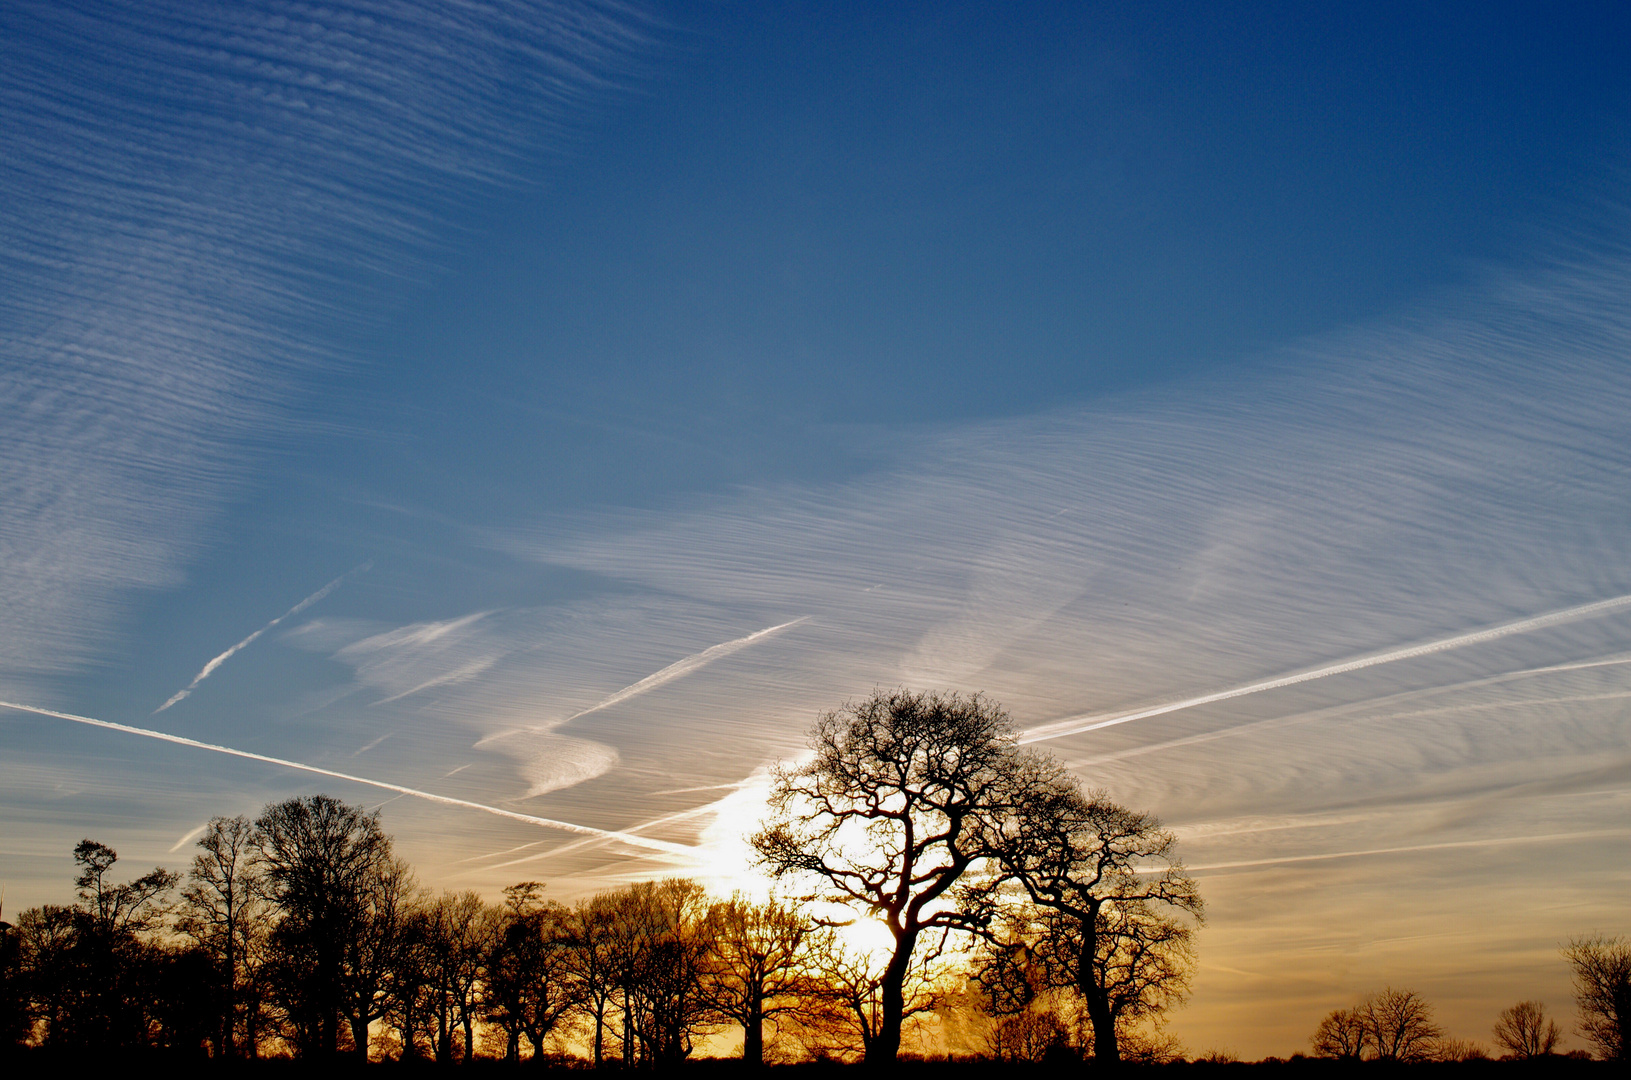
(652, 377)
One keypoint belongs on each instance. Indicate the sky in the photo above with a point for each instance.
(528, 417)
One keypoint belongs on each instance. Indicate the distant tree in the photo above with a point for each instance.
(1113, 908)
(663, 928)
(224, 909)
(1032, 1035)
(1445, 1049)
(110, 969)
(410, 1006)
(461, 927)
(845, 1008)
(1524, 1031)
(889, 815)
(1343, 1034)
(323, 861)
(596, 963)
(758, 965)
(16, 1022)
(1400, 1025)
(45, 938)
(1602, 992)
(383, 902)
(531, 987)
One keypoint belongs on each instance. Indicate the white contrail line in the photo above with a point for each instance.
(179, 844)
(678, 669)
(1331, 711)
(458, 675)
(1078, 724)
(578, 845)
(209, 668)
(445, 800)
(1326, 856)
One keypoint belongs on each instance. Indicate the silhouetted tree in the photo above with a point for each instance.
(108, 970)
(370, 955)
(1400, 1025)
(45, 936)
(890, 814)
(461, 926)
(596, 963)
(1602, 991)
(323, 862)
(225, 910)
(846, 1008)
(15, 1019)
(758, 966)
(1343, 1034)
(661, 929)
(410, 1006)
(1524, 1031)
(530, 985)
(1113, 907)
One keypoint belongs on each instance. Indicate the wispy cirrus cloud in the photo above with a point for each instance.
(197, 202)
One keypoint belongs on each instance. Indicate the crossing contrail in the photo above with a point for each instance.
(1077, 724)
(678, 669)
(551, 823)
(209, 668)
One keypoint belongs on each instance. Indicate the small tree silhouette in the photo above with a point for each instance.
(1524, 1031)
(1342, 1034)
(1401, 1027)
(1602, 990)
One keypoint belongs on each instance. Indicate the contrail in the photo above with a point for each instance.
(678, 669)
(566, 826)
(209, 668)
(1077, 724)
(1325, 856)
(681, 668)
(1355, 706)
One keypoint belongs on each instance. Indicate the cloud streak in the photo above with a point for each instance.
(198, 204)
(629, 839)
(209, 668)
(1078, 724)
(681, 668)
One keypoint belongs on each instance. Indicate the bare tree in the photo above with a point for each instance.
(889, 815)
(461, 929)
(1115, 909)
(112, 968)
(1400, 1025)
(322, 860)
(1602, 991)
(531, 987)
(225, 910)
(1343, 1034)
(845, 1007)
(664, 932)
(595, 958)
(383, 902)
(758, 966)
(1524, 1031)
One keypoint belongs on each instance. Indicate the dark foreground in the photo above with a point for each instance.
(31, 1063)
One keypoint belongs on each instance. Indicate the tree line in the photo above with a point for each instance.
(1033, 918)
(1397, 1026)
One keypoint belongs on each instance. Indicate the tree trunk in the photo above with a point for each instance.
(466, 1014)
(1106, 1049)
(444, 1035)
(753, 1035)
(885, 1046)
(600, 1034)
(359, 1036)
